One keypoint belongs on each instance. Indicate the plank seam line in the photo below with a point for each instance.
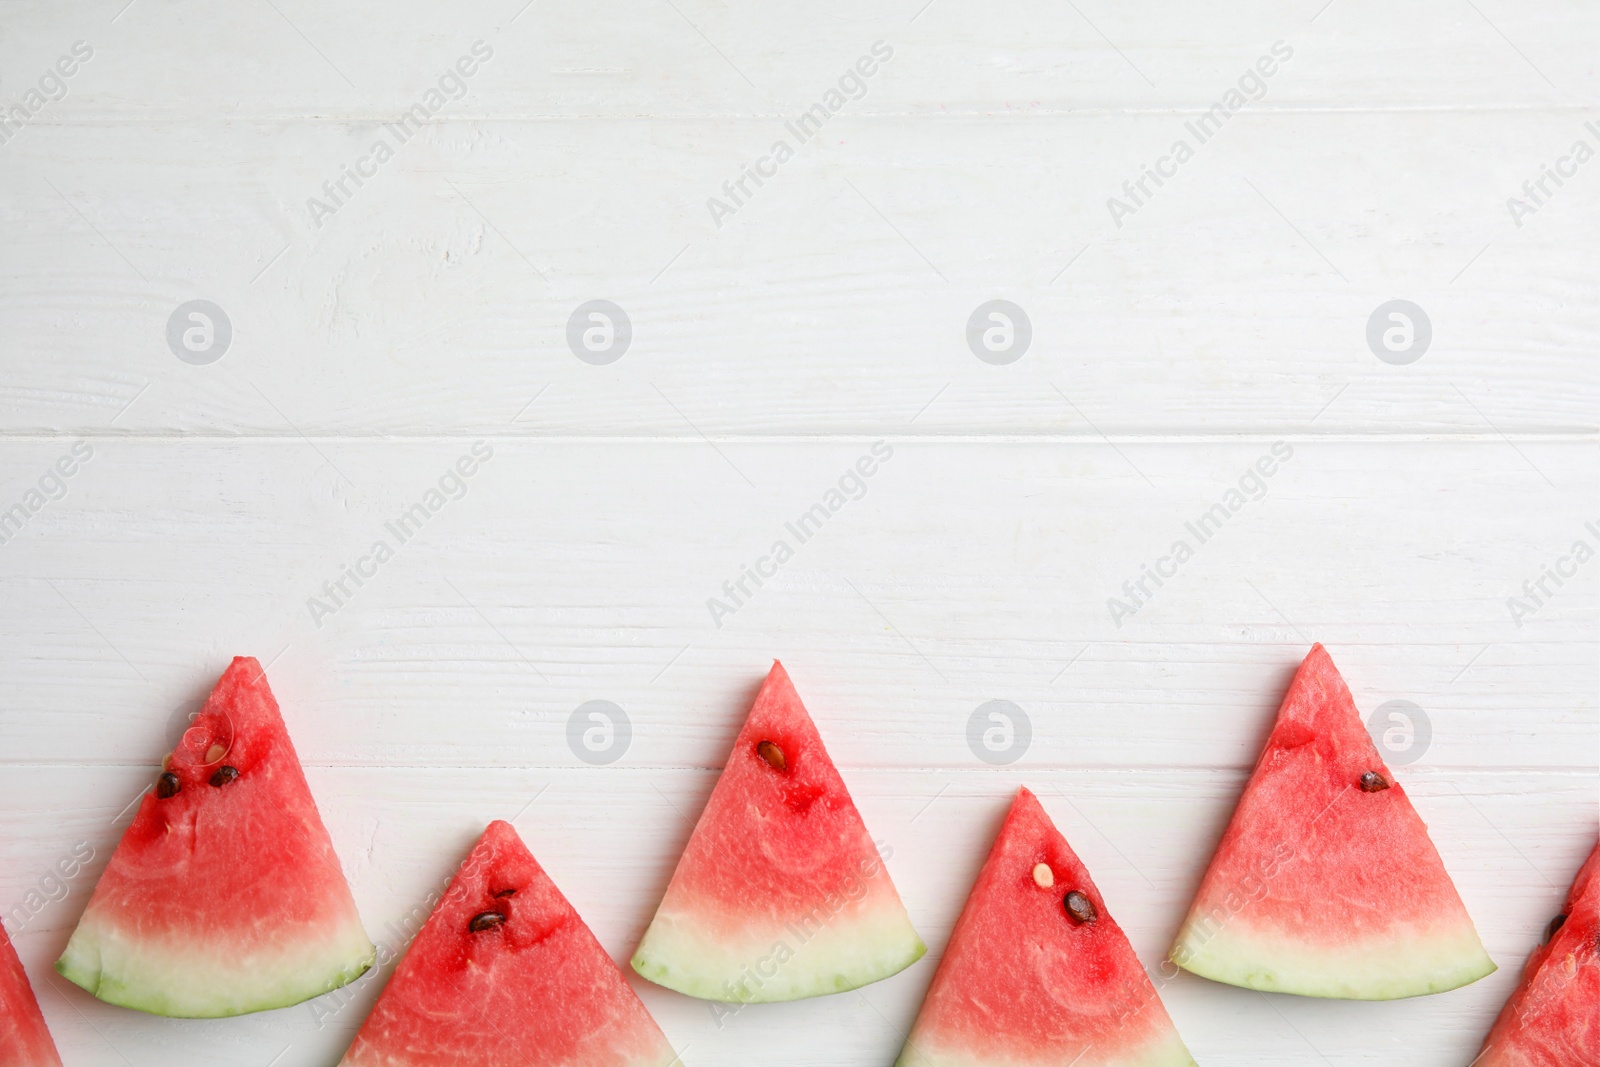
(944, 115)
(1584, 437)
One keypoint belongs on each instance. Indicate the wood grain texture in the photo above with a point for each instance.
(579, 571)
(835, 301)
(620, 57)
(374, 347)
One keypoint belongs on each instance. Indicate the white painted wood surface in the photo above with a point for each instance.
(429, 312)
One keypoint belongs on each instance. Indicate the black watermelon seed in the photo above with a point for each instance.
(485, 920)
(167, 786)
(773, 755)
(224, 775)
(1080, 907)
(1550, 931)
(1373, 782)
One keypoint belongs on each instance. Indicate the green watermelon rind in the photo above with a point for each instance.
(1394, 967)
(168, 980)
(870, 946)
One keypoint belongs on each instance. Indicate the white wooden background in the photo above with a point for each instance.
(827, 314)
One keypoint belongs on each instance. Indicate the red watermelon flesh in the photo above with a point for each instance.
(780, 892)
(1326, 883)
(1025, 982)
(1553, 1019)
(224, 895)
(24, 1038)
(505, 974)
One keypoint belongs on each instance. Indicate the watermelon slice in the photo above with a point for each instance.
(1553, 1019)
(224, 895)
(505, 974)
(780, 893)
(1326, 883)
(1037, 972)
(24, 1038)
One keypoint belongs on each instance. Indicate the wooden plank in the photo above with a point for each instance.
(695, 57)
(835, 301)
(965, 573)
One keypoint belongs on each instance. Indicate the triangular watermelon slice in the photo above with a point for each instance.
(24, 1038)
(1326, 883)
(505, 974)
(224, 895)
(1553, 1019)
(780, 893)
(1037, 972)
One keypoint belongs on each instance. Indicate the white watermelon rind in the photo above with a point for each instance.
(847, 952)
(1396, 964)
(202, 978)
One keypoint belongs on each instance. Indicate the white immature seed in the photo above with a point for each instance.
(214, 753)
(1042, 876)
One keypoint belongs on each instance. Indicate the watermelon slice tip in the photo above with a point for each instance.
(1037, 972)
(505, 973)
(224, 895)
(1326, 883)
(780, 893)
